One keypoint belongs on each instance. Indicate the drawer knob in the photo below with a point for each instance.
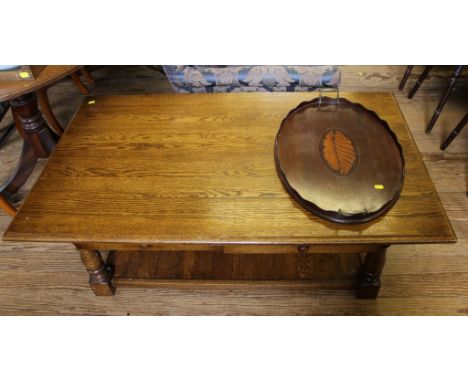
(303, 248)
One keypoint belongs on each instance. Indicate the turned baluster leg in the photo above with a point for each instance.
(31, 125)
(409, 68)
(420, 80)
(369, 278)
(100, 274)
(444, 98)
(455, 132)
(47, 111)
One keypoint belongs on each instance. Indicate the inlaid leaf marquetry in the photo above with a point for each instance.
(339, 152)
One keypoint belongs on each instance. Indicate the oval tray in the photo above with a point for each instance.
(339, 160)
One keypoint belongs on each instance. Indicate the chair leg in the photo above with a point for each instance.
(87, 75)
(420, 80)
(7, 206)
(454, 132)
(409, 68)
(76, 80)
(44, 105)
(444, 98)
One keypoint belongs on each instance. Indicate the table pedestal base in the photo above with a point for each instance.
(39, 141)
(32, 126)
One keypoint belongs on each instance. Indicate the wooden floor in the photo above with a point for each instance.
(417, 280)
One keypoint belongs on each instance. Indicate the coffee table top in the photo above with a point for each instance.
(199, 168)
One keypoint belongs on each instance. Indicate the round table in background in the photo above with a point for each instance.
(39, 136)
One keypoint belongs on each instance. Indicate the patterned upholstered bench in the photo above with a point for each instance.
(250, 78)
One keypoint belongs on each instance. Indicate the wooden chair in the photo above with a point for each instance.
(452, 80)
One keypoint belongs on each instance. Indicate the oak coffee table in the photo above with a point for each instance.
(182, 189)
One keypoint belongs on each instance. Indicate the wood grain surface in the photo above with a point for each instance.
(418, 279)
(200, 169)
(10, 89)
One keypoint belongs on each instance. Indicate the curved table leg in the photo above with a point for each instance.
(5, 134)
(22, 172)
(47, 111)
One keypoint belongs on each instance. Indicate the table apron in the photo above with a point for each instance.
(237, 248)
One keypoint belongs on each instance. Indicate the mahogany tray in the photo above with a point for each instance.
(339, 160)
